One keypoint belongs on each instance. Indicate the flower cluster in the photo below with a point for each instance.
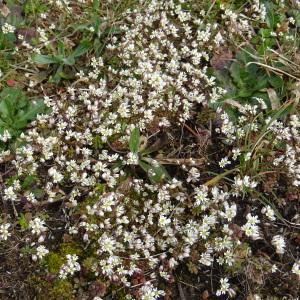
(70, 267)
(154, 76)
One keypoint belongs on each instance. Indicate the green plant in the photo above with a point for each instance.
(16, 111)
(155, 171)
(60, 60)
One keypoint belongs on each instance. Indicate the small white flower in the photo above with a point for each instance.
(5, 136)
(250, 228)
(149, 292)
(132, 158)
(70, 267)
(236, 153)
(37, 226)
(41, 251)
(163, 221)
(4, 233)
(7, 28)
(279, 243)
(56, 176)
(224, 287)
(296, 268)
(194, 175)
(224, 162)
(274, 268)
(269, 212)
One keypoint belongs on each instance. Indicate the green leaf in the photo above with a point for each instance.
(23, 222)
(276, 81)
(9, 102)
(96, 5)
(46, 59)
(271, 17)
(70, 61)
(134, 140)
(111, 31)
(28, 181)
(61, 48)
(81, 49)
(38, 193)
(155, 171)
(31, 112)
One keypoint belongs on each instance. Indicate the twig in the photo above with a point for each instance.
(180, 161)
(181, 293)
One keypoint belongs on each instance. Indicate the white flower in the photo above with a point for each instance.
(149, 292)
(250, 228)
(274, 268)
(236, 153)
(279, 243)
(106, 243)
(4, 233)
(269, 212)
(7, 28)
(9, 194)
(70, 267)
(37, 226)
(224, 162)
(41, 251)
(163, 221)
(224, 287)
(57, 177)
(132, 158)
(206, 257)
(194, 175)
(230, 211)
(296, 268)
(5, 136)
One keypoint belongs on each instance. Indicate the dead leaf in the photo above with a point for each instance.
(27, 33)
(205, 295)
(97, 289)
(221, 59)
(234, 103)
(275, 102)
(4, 10)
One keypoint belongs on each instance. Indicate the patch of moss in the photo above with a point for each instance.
(70, 248)
(58, 290)
(62, 289)
(53, 262)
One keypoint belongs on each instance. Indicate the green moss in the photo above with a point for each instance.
(62, 289)
(58, 290)
(70, 248)
(53, 262)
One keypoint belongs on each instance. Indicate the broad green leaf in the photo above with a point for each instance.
(81, 49)
(134, 140)
(9, 98)
(61, 48)
(29, 179)
(80, 27)
(276, 81)
(272, 19)
(155, 171)
(46, 59)
(111, 31)
(70, 61)
(32, 111)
